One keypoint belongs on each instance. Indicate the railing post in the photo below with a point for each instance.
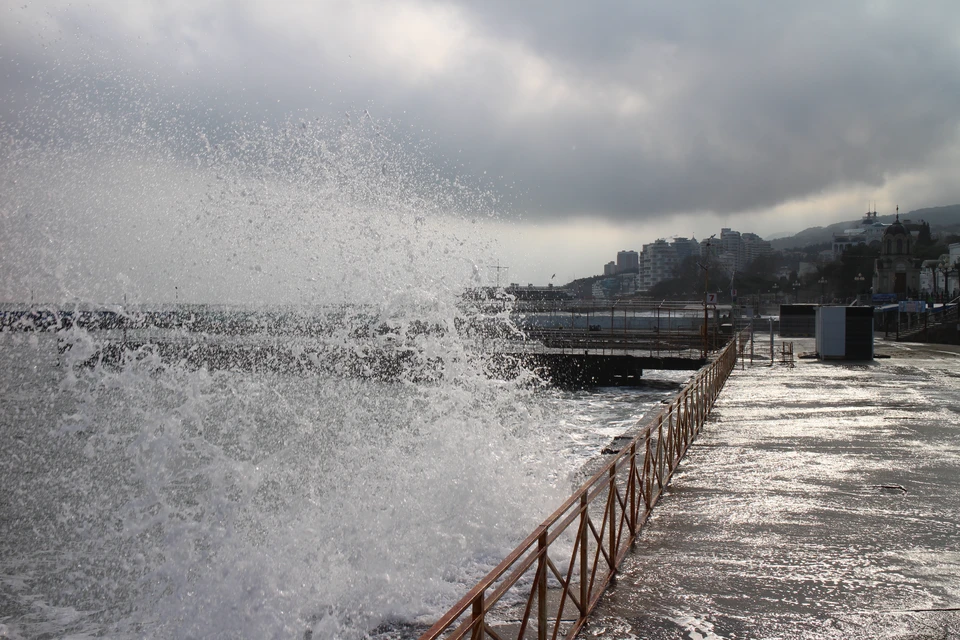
(647, 475)
(542, 587)
(632, 486)
(677, 438)
(661, 448)
(612, 500)
(584, 569)
(477, 632)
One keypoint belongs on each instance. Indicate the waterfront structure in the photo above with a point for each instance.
(714, 572)
(896, 270)
(530, 292)
(844, 333)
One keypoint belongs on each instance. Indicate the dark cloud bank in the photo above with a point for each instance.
(620, 111)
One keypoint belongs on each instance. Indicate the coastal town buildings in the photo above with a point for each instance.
(869, 231)
(940, 276)
(685, 247)
(660, 263)
(752, 247)
(896, 270)
(735, 250)
(730, 249)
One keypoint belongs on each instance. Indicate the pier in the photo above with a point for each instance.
(569, 344)
(817, 500)
(820, 501)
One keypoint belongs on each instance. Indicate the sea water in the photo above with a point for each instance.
(152, 500)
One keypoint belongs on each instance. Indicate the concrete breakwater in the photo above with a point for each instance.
(568, 370)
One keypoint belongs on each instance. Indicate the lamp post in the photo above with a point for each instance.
(706, 283)
(796, 292)
(776, 294)
(944, 268)
(859, 280)
(823, 283)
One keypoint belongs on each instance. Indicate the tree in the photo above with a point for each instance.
(923, 237)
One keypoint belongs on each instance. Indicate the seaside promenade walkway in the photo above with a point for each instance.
(820, 501)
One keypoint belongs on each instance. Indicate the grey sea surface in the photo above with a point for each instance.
(154, 500)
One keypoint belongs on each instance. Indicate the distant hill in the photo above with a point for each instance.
(939, 218)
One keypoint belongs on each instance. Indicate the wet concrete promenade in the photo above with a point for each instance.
(821, 501)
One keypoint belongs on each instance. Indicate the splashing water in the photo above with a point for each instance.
(152, 498)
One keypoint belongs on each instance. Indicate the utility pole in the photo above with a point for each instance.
(499, 269)
(706, 318)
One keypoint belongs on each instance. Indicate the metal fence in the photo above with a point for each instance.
(549, 584)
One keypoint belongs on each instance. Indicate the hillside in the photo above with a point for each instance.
(945, 218)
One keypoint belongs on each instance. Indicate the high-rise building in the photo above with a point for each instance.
(710, 248)
(730, 249)
(660, 263)
(685, 247)
(735, 250)
(628, 262)
(752, 247)
(610, 269)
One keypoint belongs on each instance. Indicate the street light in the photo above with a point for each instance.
(859, 280)
(796, 292)
(776, 293)
(706, 283)
(823, 282)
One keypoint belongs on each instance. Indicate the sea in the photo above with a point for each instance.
(148, 497)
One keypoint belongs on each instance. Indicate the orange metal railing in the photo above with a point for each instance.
(550, 583)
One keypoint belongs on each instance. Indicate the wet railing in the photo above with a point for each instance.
(549, 584)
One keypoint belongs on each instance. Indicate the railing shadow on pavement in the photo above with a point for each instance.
(551, 582)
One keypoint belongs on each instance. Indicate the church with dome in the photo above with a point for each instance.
(896, 270)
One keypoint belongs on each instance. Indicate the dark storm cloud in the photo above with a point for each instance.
(619, 110)
(764, 102)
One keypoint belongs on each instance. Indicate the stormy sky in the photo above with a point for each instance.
(594, 126)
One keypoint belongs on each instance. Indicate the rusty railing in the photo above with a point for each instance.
(550, 583)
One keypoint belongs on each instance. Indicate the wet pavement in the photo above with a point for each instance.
(821, 501)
